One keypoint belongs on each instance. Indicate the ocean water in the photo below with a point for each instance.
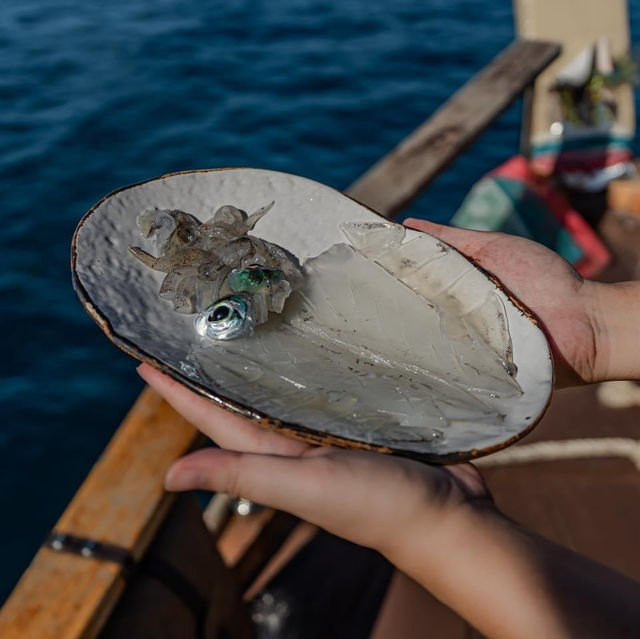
(96, 95)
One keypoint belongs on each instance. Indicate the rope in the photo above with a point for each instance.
(568, 449)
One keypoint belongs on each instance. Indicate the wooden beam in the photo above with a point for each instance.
(240, 533)
(399, 177)
(272, 536)
(300, 536)
(122, 502)
(248, 543)
(624, 195)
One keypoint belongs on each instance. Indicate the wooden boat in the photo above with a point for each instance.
(128, 559)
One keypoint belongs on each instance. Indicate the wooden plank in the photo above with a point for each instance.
(122, 501)
(624, 195)
(272, 536)
(240, 533)
(249, 543)
(399, 177)
(301, 535)
(180, 571)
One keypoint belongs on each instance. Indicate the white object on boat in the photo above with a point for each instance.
(576, 73)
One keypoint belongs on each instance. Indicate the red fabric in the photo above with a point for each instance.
(596, 254)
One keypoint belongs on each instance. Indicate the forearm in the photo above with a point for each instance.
(510, 584)
(615, 312)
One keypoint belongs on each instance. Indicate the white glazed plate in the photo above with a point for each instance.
(397, 343)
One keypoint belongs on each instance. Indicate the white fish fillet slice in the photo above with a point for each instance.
(456, 287)
(350, 290)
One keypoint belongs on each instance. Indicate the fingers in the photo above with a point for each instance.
(226, 429)
(467, 242)
(297, 485)
(362, 496)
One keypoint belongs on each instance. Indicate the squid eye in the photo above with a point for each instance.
(221, 312)
(228, 318)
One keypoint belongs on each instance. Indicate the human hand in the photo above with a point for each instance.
(436, 524)
(565, 304)
(372, 499)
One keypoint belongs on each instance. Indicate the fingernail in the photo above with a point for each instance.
(169, 478)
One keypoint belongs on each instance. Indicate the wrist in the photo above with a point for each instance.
(512, 584)
(614, 313)
(485, 568)
(432, 543)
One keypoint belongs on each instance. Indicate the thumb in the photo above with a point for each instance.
(293, 484)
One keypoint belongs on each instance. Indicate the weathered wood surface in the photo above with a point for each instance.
(182, 588)
(624, 196)
(122, 502)
(256, 546)
(257, 555)
(399, 177)
(240, 533)
(301, 535)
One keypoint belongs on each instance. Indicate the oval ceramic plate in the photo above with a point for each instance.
(395, 343)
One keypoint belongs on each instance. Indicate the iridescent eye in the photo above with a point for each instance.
(228, 318)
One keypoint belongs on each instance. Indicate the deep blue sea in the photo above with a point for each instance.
(97, 95)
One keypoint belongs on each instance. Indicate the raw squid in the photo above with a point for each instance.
(231, 279)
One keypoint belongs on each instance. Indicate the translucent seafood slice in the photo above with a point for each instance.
(341, 343)
(172, 279)
(167, 229)
(435, 272)
(372, 239)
